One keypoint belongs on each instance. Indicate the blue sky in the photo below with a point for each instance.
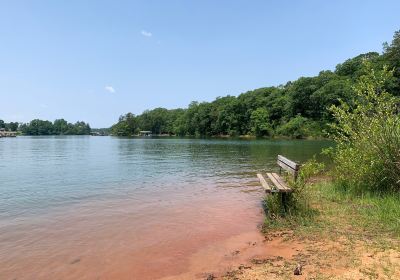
(95, 60)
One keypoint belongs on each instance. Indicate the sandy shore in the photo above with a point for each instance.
(219, 259)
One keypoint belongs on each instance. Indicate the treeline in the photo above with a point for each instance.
(41, 127)
(58, 127)
(297, 109)
(11, 126)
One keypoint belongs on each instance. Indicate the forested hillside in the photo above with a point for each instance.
(297, 109)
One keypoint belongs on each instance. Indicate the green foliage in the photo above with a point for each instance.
(260, 123)
(295, 127)
(11, 126)
(301, 127)
(59, 127)
(295, 207)
(352, 68)
(298, 109)
(367, 132)
(126, 126)
(391, 57)
(38, 127)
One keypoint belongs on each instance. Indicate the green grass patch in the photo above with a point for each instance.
(369, 211)
(334, 212)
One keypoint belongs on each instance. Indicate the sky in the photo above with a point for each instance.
(96, 60)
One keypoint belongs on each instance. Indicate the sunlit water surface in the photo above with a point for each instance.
(122, 208)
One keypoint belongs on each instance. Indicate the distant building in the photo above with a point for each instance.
(97, 133)
(4, 133)
(145, 133)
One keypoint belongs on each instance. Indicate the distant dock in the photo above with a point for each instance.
(4, 133)
(145, 133)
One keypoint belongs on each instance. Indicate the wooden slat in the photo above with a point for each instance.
(281, 182)
(287, 168)
(288, 162)
(278, 186)
(264, 183)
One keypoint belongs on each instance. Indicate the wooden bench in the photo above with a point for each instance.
(278, 184)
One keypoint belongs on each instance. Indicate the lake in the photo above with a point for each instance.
(81, 207)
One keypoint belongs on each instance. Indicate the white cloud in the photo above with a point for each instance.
(110, 89)
(146, 33)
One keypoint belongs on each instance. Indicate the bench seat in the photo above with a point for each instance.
(277, 181)
(264, 183)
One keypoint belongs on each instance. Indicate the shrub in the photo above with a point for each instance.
(367, 132)
(300, 127)
(293, 128)
(260, 123)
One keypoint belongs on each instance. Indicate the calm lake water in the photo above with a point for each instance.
(120, 208)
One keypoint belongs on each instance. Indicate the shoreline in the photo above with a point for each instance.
(336, 245)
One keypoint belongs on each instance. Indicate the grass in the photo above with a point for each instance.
(371, 212)
(341, 236)
(331, 208)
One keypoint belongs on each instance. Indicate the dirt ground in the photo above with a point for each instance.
(321, 258)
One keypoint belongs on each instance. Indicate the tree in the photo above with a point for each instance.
(60, 126)
(391, 56)
(297, 109)
(38, 127)
(295, 127)
(352, 67)
(126, 126)
(13, 126)
(367, 133)
(260, 125)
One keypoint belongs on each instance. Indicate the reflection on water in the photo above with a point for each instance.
(127, 208)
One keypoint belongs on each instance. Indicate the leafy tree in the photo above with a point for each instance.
(260, 125)
(60, 126)
(297, 109)
(367, 132)
(13, 126)
(295, 127)
(352, 67)
(38, 127)
(391, 56)
(126, 126)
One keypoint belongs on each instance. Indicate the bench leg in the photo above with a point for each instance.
(284, 202)
(284, 197)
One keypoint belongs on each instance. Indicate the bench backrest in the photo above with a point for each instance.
(288, 165)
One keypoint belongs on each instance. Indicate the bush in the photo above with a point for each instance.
(260, 123)
(367, 132)
(300, 127)
(295, 127)
(296, 204)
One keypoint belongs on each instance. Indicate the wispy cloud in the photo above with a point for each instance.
(109, 89)
(146, 33)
